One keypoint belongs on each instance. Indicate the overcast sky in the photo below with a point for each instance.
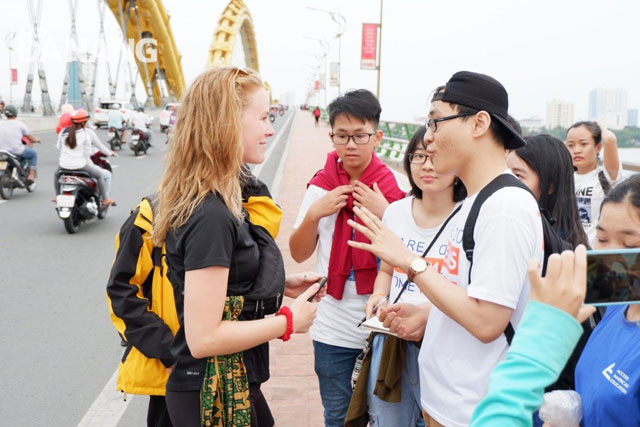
(540, 50)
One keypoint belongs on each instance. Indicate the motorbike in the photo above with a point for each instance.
(115, 139)
(272, 114)
(139, 143)
(13, 174)
(78, 199)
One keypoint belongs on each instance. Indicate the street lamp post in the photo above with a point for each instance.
(341, 21)
(379, 52)
(323, 58)
(8, 40)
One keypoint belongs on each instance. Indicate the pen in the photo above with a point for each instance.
(375, 309)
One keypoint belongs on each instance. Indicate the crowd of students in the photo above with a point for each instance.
(483, 319)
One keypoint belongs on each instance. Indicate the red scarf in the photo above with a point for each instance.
(342, 257)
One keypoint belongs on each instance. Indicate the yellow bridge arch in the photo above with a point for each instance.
(149, 19)
(235, 20)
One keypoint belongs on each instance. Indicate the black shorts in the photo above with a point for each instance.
(184, 408)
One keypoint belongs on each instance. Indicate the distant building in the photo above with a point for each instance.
(632, 117)
(609, 106)
(534, 124)
(559, 114)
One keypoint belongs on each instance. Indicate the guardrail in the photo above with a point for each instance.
(398, 134)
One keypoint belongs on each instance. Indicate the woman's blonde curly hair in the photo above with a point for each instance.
(205, 152)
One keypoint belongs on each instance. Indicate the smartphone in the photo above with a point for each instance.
(323, 283)
(613, 277)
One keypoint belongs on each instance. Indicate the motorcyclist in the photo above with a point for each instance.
(142, 122)
(11, 133)
(2, 108)
(117, 121)
(74, 144)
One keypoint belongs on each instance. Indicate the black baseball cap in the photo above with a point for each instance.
(483, 93)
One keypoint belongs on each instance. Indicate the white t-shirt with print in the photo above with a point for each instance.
(590, 194)
(399, 219)
(336, 320)
(454, 365)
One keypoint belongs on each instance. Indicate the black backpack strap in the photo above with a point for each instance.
(157, 255)
(509, 333)
(604, 182)
(468, 242)
(426, 251)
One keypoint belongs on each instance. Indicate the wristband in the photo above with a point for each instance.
(286, 312)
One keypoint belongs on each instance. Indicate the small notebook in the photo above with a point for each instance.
(375, 325)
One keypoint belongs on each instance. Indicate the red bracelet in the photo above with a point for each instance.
(286, 312)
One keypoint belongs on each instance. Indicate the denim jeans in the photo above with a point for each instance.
(334, 366)
(31, 156)
(407, 411)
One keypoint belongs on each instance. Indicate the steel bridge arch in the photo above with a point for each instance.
(150, 19)
(235, 21)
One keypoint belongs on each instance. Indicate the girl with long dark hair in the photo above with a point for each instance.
(74, 144)
(544, 165)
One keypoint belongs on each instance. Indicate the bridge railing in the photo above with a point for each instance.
(396, 137)
(398, 134)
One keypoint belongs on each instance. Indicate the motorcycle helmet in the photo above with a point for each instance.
(66, 109)
(10, 111)
(80, 116)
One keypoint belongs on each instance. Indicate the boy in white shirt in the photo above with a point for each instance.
(352, 176)
(468, 132)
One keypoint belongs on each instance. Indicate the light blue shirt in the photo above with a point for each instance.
(115, 119)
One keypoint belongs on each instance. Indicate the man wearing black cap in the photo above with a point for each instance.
(467, 134)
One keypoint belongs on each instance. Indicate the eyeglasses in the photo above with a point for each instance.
(432, 124)
(358, 138)
(417, 158)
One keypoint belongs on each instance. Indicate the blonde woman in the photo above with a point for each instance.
(226, 272)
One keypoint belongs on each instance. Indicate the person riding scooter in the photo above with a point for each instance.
(117, 121)
(12, 132)
(74, 144)
(142, 122)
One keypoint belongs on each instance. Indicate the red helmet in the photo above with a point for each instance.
(80, 116)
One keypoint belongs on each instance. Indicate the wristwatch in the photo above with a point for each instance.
(417, 266)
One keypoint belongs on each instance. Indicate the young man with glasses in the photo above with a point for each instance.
(466, 334)
(352, 176)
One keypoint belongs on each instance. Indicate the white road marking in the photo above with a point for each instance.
(258, 169)
(141, 157)
(108, 407)
(114, 166)
(3, 201)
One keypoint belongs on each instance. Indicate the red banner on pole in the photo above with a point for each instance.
(316, 85)
(369, 46)
(14, 76)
